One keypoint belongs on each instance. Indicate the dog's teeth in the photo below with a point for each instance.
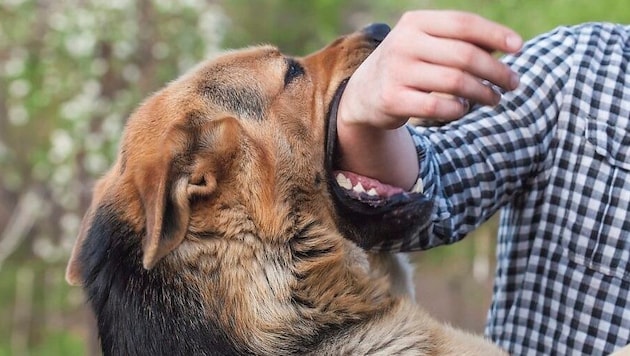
(343, 181)
(372, 192)
(358, 188)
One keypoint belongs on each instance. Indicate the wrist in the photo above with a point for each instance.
(386, 155)
(372, 144)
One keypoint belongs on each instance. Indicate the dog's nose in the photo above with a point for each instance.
(376, 31)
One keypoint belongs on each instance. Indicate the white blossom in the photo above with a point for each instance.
(19, 88)
(80, 44)
(69, 223)
(98, 67)
(58, 21)
(62, 146)
(15, 64)
(131, 73)
(160, 50)
(12, 3)
(123, 49)
(18, 115)
(95, 163)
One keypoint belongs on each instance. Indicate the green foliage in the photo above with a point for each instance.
(300, 27)
(533, 17)
(60, 343)
(71, 72)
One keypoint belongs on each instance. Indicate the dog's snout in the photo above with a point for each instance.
(376, 31)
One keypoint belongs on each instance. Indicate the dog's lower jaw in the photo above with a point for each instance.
(373, 222)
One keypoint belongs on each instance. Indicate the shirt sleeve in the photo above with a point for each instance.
(474, 166)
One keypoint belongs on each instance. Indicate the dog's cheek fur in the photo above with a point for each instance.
(122, 293)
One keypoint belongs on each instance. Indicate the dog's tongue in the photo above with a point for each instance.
(358, 184)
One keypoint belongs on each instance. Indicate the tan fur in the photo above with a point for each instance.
(239, 156)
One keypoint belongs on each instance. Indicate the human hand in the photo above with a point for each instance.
(429, 52)
(426, 55)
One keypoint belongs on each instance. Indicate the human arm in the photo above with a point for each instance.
(472, 167)
(426, 52)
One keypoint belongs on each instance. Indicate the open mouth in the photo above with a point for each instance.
(372, 214)
(364, 189)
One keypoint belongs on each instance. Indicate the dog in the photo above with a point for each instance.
(220, 229)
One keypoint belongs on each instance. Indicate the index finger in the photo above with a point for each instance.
(467, 27)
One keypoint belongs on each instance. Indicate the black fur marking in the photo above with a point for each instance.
(142, 312)
(302, 302)
(311, 253)
(207, 235)
(318, 179)
(302, 249)
(245, 102)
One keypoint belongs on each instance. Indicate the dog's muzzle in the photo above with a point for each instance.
(374, 222)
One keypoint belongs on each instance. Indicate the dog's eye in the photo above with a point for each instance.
(294, 70)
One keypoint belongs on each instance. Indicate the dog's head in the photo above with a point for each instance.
(221, 221)
(243, 132)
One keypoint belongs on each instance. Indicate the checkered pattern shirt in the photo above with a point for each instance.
(554, 158)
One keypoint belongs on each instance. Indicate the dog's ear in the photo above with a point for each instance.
(166, 188)
(74, 269)
(167, 192)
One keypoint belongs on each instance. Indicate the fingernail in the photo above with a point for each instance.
(514, 42)
(465, 103)
(514, 80)
(497, 96)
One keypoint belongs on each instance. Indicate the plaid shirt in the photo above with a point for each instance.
(554, 158)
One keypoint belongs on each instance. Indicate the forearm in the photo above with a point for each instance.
(386, 155)
(428, 54)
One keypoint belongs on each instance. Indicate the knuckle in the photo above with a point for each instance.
(414, 18)
(462, 21)
(467, 56)
(388, 101)
(455, 81)
(408, 16)
(430, 106)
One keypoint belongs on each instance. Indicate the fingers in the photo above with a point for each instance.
(456, 40)
(413, 103)
(448, 52)
(467, 58)
(427, 77)
(465, 27)
(426, 53)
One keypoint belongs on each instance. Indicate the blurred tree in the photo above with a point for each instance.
(71, 71)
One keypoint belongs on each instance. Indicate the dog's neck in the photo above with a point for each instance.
(199, 289)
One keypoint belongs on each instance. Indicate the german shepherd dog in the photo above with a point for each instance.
(220, 229)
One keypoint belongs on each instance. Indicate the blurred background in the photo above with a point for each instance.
(70, 73)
